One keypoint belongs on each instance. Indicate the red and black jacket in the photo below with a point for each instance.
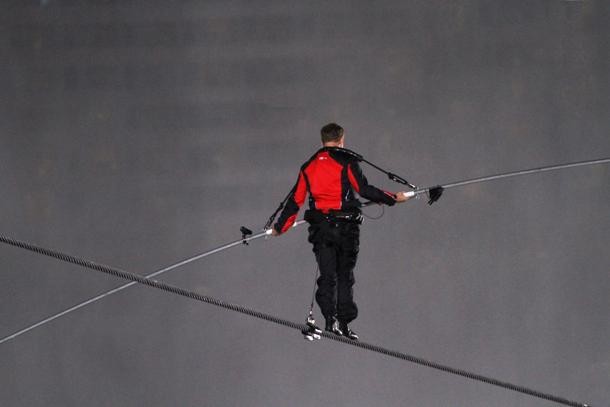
(330, 177)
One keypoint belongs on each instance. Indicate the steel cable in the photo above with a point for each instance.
(136, 278)
(515, 174)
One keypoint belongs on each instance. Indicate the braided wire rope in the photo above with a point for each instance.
(279, 321)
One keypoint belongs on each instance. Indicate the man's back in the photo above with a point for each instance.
(328, 178)
(331, 177)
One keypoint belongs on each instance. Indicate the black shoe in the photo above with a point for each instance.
(332, 325)
(348, 333)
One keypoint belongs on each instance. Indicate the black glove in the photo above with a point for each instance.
(434, 194)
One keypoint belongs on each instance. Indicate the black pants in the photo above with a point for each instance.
(335, 245)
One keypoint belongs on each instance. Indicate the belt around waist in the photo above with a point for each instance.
(315, 216)
(342, 215)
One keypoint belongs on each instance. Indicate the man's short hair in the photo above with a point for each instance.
(331, 132)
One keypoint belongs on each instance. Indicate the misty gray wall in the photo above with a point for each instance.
(137, 133)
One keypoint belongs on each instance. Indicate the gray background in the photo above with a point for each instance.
(137, 133)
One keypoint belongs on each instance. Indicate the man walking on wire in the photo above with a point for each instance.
(332, 178)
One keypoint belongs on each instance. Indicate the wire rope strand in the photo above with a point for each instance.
(279, 321)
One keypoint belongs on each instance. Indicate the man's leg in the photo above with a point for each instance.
(326, 294)
(326, 257)
(347, 310)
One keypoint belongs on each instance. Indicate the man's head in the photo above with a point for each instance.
(332, 135)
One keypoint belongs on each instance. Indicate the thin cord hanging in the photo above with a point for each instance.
(313, 291)
(376, 217)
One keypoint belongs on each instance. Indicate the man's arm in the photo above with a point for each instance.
(368, 191)
(291, 209)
